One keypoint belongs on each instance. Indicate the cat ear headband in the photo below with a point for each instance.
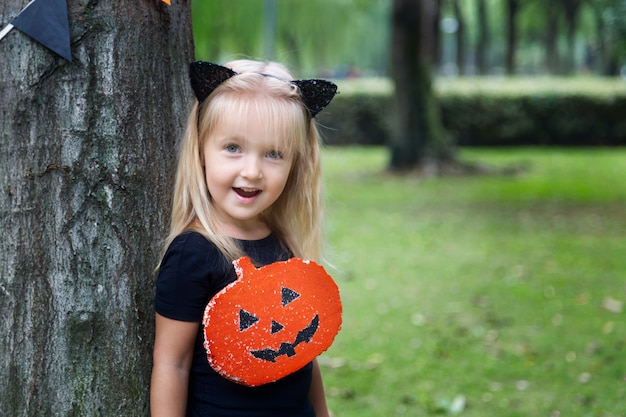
(206, 77)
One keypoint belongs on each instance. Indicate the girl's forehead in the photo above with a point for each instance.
(250, 131)
(259, 118)
(245, 120)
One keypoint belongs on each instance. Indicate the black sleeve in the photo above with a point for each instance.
(188, 277)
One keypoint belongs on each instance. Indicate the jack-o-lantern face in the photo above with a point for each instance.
(271, 321)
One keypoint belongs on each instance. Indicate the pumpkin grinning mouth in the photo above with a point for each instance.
(289, 349)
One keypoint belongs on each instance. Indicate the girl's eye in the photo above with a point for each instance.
(275, 155)
(232, 148)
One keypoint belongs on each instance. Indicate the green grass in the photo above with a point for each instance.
(479, 296)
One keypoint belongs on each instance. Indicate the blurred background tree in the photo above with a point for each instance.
(426, 40)
(474, 37)
(325, 36)
(419, 140)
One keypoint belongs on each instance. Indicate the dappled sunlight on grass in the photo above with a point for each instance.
(479, 295)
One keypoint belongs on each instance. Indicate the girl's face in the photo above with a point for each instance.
(246, 170)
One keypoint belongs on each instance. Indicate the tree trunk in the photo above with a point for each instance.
(85, 172)
(571, 8)
(460, 38)
(435, 46)
(482, 46)
(551, 37)
(511, 35)
(419, 137)
(601, 46)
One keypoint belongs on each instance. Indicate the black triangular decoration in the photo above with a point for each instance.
(276, 327)
(246, 320)
(288, 295)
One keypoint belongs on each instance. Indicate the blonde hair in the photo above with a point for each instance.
(296, 216)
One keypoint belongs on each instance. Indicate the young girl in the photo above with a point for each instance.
(247, 184)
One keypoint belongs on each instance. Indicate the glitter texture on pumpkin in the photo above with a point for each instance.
(271, 321)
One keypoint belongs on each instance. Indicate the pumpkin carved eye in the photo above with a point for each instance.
(258, 334)
(246, 320)
(288, 295)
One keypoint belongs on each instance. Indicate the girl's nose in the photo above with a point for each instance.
(251, 168)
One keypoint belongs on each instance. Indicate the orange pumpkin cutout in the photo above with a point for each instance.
(271, 321)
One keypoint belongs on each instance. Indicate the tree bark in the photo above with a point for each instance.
(85, 173)
(419, 137)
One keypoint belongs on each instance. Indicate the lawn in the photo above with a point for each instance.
(479, 296)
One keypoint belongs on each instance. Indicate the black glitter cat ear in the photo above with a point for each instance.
(206, 76)
(316, 94)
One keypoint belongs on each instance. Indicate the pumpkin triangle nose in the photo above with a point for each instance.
(276, 327)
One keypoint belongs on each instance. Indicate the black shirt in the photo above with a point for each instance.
(192, 271)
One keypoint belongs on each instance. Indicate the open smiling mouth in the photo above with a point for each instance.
(247, 192)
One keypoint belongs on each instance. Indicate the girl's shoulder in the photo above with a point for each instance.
(194, 250)
(191, 272)
(191, 250)
(191, 239)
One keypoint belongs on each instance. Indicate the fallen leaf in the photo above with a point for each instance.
(613, 305)
(457, 405)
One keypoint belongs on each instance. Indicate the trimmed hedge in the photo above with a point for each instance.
(564, 112)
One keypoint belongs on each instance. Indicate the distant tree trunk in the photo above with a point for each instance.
(460, 37)
(430, 32)
(484, 35)
(610, 22)
(419, 137)
(511, 35)
(434, 49)
(86, 155)
(551, 37)
(571, 8)
(601, 35)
